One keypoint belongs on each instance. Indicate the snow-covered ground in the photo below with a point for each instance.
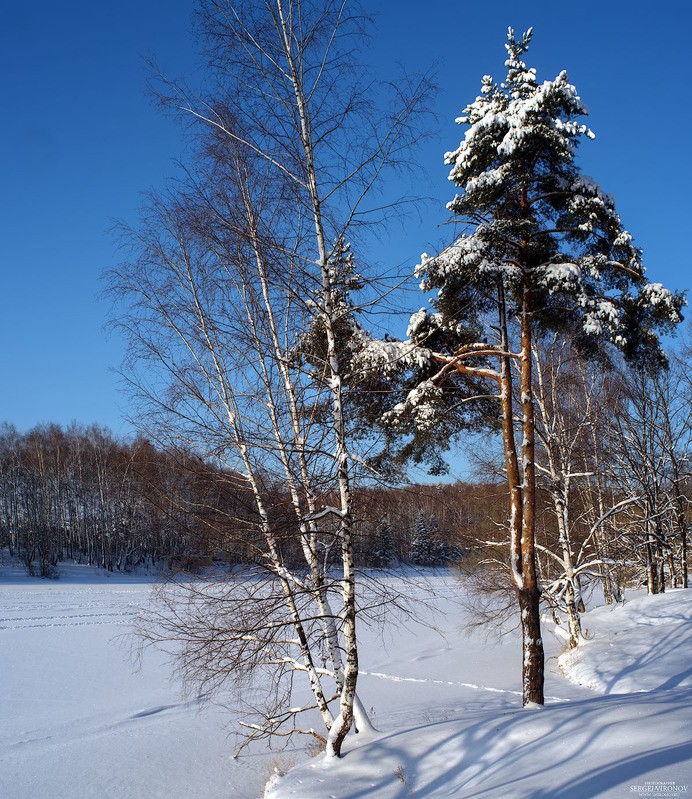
(460, 732)
(77, 722)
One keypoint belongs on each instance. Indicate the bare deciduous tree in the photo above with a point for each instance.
(650, 446)
(239, 285)
(570, 397)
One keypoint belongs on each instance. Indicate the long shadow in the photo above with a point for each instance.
(492, 746)
(572, 729)
(619, 773)
(672, 641)
(498, 753)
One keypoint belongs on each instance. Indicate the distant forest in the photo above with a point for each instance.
(81, 495)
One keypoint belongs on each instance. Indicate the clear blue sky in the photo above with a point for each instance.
(80, 140)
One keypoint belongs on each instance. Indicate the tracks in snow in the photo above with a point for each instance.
(98, 725)
(69, 620)
(474, 686)
(69, 608)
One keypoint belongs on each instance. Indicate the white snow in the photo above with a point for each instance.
(77, 722)
(417, 319)
(390, 356)
(656, 294)
(562, 277)
(422, 402)
(644, 645)
(460, 730)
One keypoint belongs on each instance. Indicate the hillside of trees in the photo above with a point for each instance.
(81, 495)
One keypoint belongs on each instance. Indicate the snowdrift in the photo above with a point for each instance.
(78, 722)
(635, 739)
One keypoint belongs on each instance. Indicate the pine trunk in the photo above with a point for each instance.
(523, 507)
(532, 643)
(529, 593)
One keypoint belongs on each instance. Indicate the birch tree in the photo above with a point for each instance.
(567, 393)
(650, 446)
(231, 274)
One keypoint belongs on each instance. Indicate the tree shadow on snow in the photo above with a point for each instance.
(531, 754)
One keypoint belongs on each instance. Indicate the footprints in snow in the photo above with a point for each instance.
(154, 711)
(66, 621)
(475, 686)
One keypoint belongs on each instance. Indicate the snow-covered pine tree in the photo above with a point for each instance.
(421, 541)
(383, 545)
(427, 547)
(441, 552)
(543, 248)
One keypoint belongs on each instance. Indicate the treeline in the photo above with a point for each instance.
(81, 495)
(614, 497)
(613, 502)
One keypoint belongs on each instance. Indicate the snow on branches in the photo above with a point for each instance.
(542, 249)
(389, 357)
(532, 220)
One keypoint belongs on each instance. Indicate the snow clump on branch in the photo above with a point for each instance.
(390, 357)
(421, 406)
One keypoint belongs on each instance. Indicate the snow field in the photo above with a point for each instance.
(471, 738)
(78, 721)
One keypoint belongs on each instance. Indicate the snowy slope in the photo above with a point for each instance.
(482, 745)
(645, 645)
(599, 747)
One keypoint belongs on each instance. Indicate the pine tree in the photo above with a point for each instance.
(383, 546)
(440, 551)
(543, 249)
(421, 543)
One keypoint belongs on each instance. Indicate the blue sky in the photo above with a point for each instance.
(81, 140)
